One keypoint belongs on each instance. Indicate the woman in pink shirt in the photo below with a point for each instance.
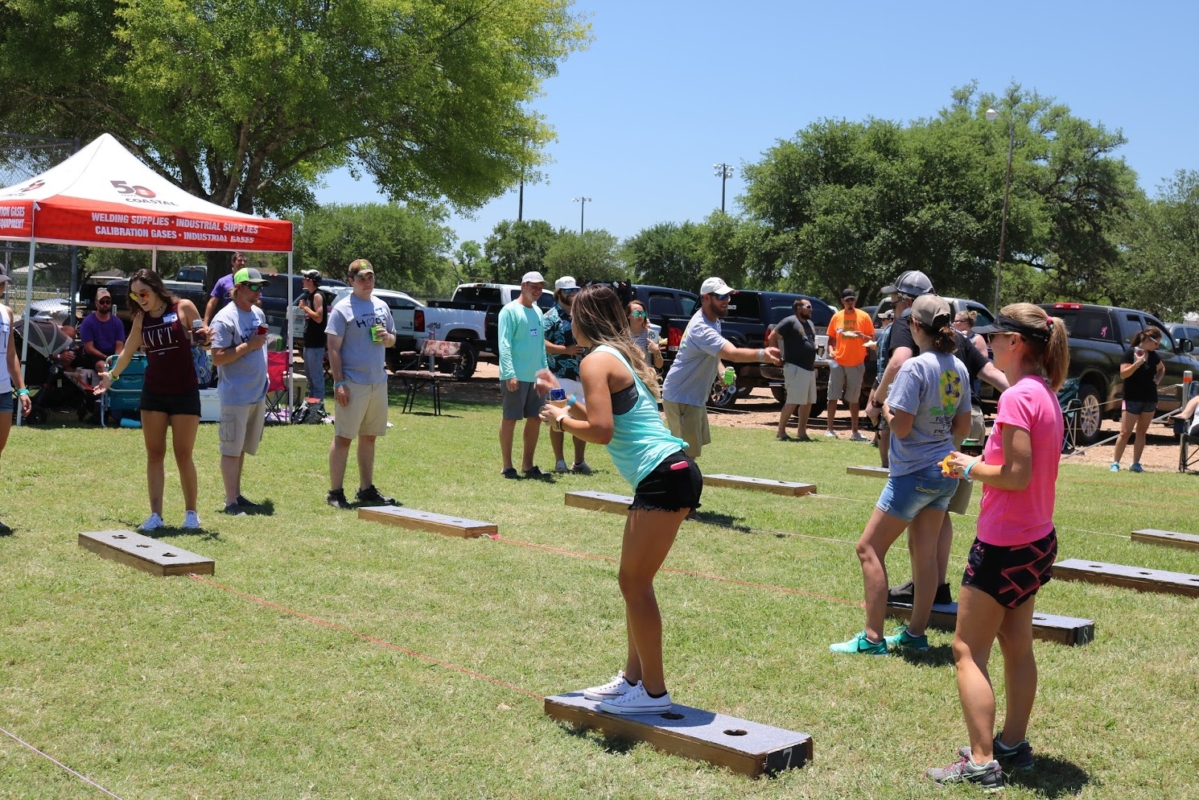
(1016, 544)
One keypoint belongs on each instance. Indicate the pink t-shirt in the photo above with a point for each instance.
(1010, 518)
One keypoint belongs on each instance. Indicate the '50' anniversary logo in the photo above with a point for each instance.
(124, 188)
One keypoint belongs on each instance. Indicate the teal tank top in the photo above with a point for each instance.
(640, 442)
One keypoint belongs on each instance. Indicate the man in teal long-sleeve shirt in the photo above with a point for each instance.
(521, 335)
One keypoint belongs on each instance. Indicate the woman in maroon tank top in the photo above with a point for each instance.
(162, 329)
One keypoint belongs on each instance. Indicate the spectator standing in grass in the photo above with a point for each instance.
(239, 337)
(642, 335)
(622, 413)
(359, 332)
(101, 333)
(162, 327)
(848, 332)
(929, 403)
(316, 317)
(563, 354)
(1141, 369)
(1013, 553)
(521, 334)
(10, 376)
(798, 336)
(222, 291)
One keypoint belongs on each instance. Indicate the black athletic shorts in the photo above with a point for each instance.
(171, 404)
(1011, 574)
(674, 484)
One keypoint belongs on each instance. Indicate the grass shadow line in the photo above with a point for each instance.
(938, 656)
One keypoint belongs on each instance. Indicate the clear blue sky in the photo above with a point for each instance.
(669, 88)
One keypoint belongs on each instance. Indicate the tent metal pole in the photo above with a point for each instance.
(290, 317)
(154, 259)
(26, 315)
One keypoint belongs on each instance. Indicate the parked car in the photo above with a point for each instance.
(1184, 330)
(1099, 337)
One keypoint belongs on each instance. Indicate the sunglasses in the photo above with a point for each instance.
(640, 314)
(569, 291)
(144, 295)
(720, 298)
(253, 287)
(104, 303)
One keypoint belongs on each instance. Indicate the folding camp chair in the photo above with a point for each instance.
(124, 396)
(1071, 403)
(278, 369)
(1187, 431)
(437, 354)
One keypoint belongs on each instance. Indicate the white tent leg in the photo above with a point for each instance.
(26, 315)
(154, 260)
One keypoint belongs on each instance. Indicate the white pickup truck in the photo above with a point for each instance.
(469, 317)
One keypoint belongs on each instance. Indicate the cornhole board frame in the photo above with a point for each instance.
(1185, 541)
(416, 520)
(1139, 578)
(870, 472)
(148, 555)
(788, 488)
(754, 750)
(600, 501)
(1045, 627)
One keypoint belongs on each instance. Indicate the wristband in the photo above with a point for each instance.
(966, 472)
(570, 401)
(761, 354)
(113, 377)
(558, 422)
(338, 384)
(22, 392)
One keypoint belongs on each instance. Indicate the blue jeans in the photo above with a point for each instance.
(314, 370)
(906, 496)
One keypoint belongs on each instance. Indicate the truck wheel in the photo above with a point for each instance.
(780, 394)
(1090, 416)
(818, 407)
(722, 396)
(470, 360)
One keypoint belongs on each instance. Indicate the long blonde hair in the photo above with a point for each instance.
(598, 314)
(1053, 354)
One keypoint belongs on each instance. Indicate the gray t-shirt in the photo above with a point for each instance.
(242, 382)
(799, 341)
(697, 364)
(933, 387)
(351, 318)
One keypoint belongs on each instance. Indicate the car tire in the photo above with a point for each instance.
(1090, 416)
(780, 394)
(468, 363)
(722, 396)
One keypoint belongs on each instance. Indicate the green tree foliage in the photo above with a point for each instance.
(517, 247)
(591, 256)
(466, 258)
(407, 247)
(1161, 251)
(246, 104)
(666, 254)
(740, 251)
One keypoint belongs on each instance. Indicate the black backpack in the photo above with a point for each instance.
(309, 412)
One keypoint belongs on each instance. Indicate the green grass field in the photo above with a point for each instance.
(181, 688)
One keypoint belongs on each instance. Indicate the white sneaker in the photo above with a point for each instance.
(613, 688)
(561, 467)
(831, 434)
(857, 436)
(191, 521)
(152, 523)
(637, 701)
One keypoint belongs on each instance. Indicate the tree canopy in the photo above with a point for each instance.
(517, 247)
(590, 256)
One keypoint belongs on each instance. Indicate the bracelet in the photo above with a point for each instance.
(558, 422)
(338, 384)
(22, 392)
(570, 401)
(761, 354)
(966, 472)
(113, 377)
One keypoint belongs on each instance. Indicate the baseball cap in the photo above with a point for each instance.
(532, 277)
(248, 275)
(914, 284)
(4, 275)
(1004, 324)
(888, 314)
(932, 311)
(888, 289)
(101, 293)
(311, 274)
(715, 286)
(849, 294)
(565, 282)
(361, 265)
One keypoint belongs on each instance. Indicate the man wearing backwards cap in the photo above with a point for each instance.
(848, 332)
(521, 334)
(698, 364)
(102, 334)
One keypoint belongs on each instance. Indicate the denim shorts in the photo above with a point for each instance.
(1137, 408)
(906, 496)
(6, 403)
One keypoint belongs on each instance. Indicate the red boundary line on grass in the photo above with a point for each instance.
(51, 758)
(367, 638)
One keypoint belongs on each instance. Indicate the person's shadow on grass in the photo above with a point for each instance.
(938, 656)
(1050, 777)
(170, 532)
(719, 520)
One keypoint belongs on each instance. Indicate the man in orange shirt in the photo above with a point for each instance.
(849, 334)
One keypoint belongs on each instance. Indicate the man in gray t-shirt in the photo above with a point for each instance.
(698, 364)
(239, 338)
(798, 335)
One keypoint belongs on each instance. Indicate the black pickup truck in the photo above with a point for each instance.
(1099, 337)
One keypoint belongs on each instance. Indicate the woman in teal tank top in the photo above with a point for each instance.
(622, 413)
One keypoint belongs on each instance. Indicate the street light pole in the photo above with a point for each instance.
(1007, 191)
(582, 201)
(724, 172)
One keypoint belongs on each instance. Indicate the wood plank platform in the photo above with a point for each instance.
(787, 488)
(428, 521)
(1185, 541)
(600, 501)
(1045, 627)
(1143, 580)
(870, 472)
(148, 555)
(745, 747)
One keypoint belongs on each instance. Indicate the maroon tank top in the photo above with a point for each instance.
(169, 365)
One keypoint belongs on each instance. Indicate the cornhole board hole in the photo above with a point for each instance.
(1143, 580)
(600, 501)
(870, 472)
(1185, 541)
(148, 555)
(748, 748)
(760, 485)
(428, 521)
(1045, 627)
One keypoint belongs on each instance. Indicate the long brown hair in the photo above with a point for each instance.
(155, 285)
(1052, 355)
(599, 316)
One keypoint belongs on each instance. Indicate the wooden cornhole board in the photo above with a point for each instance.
(148, 555)
(748, 748)
(1167, 538)
(1143, 580)
(600, 501)
(760, 485)
(870, 472)
(427, 521)
(1045, 627)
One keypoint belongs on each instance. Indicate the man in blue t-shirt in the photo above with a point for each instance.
(222, 292)
(521, 334)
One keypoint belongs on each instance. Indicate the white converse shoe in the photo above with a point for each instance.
(152, 523)
(637, 701)
(613, 688)
(191, 521)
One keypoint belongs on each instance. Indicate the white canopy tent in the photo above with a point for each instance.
(103, 196)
